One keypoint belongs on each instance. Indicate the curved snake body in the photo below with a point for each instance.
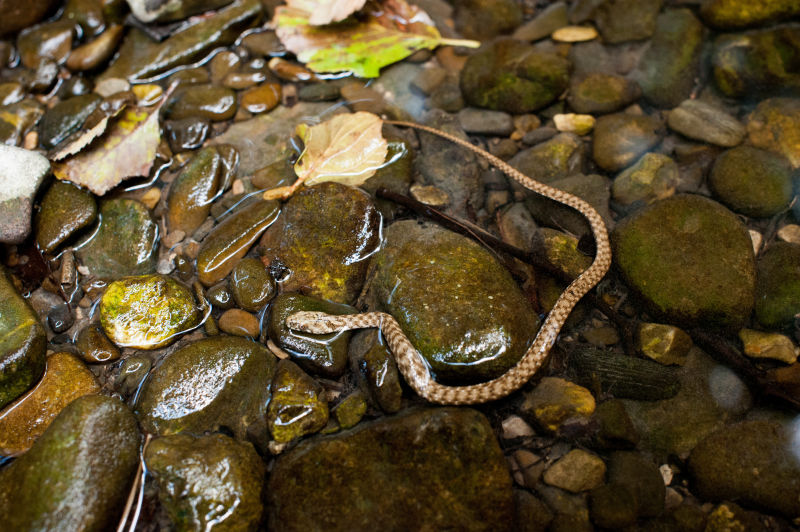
(409, 360)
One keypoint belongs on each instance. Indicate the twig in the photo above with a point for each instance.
(136, 492)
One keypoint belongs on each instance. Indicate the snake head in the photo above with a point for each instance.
(310, 322)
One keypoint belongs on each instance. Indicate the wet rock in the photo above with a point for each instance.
(221, 381)
(60, 318)
(186, 134)
(613, 506)
(95, 53)
(132, 373)
(125, 243)
(775, 126)
(372, 360)
(230, 240)
(23, 421)
(593, 188)
(202, 101)
(666, 344)
(47, 41)
(11, 92)
(466, 346)
(642, 479)
(204, 178)
(66, 117)
(553, 17)
(252, 286)
(167, 11)
(297, 407)
(576, 471)
(598, 92)
(778, 289)
(735, 14)
(396, 175)
(65, 210)
(484, 19)
(752, 181)
(18, 119)
(69, 480)
(757, 344)
(485, 122)
(220, 296)
(627, 20)
(532, 513)
(669, 68)
(443, 466)
(147, 312)
(207, 482)
(319, 353)
(651, 178)
(239, 323)
(555, 402)
(561, 250)
(751, 462)
(94, 346)
(318, 92)
(689, 259)
(620, 139)
(509, 75)
(22, 171)
(554, 159)
(615, 427)
(22, 343)
(261, 99)
(350, 410)
(701, 121)
(140, 58)
(324, 237)
(17, 16)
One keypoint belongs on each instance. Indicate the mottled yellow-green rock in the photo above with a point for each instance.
(147, 312)
(775, 126)
(758, 344)
(778, 287)
(350, 411)
(555, 401)
(297, 407)
(652, 177)
(663, 343)
(65, 379)
(599, 92)
(734, 14)
(208, 483)
(561, 251)
(576, 471)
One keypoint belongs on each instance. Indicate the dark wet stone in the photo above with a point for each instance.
(11, 92)
(297, 407)
(546, 21)
(168, 11)
(778, 287)
(318, 92)
(231, 239)
(598, 92)
(204, 178)
(18, 15)
(509, 75)
(554, 159)
(735, 14)
(395, 175)
(593, 188)
(375, 364)
(751, 462)
(86, 13)
(751, 181)
(532, 514)
(147, 312)
(261, 99)
(22, 343)
(496, 123)
(76, 85)
(207, 482)
(94, 346)
(60, 318)
(757, 63)
(141, 58)
(251, 284)
(95, 53)
(187, 134)
(613, 506)
(576, 471)
(66, 117)
(46, 41)
(615, 427)
(642, 479)
(132, 373)
(221, 381)
(324, 236)
(775, 126)
(202, 101)
(668, 69)
(17, 119)
(475, 323)
(441, 466)
(78, 473)
(621, 138)
(125, 243)
(23, 172)
(220, 296)
(484, 19)
(318, 353)
(65, 210)
(690, 260)
(627, 20)
(239, 322)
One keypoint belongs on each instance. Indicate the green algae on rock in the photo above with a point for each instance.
(228, 242)
(651, 178)
(555, 401)
(736, 14)
(208, 482)
(429, 469)
(147, 312)
(125, 243)
(324, 236)
(65, 379)
(318, 353)
(598, 92)
(474, 324)
(690, 260)
(78, 473)
(297, 407)
(778, 286)
(627, 20)
(350, 410)
(775, 126)
(509, 75)
(621, 138)
(22, 343)
(220, 381)
(553, 159)
(65, 209)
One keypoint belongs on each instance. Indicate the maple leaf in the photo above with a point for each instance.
(388, 31)
(327, 11)
(348, 149)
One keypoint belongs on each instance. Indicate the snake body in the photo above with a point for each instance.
(410, 361)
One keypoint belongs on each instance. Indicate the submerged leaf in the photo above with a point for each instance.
(389, 31)
(327, 11)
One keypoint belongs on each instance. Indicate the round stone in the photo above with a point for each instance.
(239, 323)
(251, 284)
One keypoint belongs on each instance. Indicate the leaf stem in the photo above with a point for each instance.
(459, 42)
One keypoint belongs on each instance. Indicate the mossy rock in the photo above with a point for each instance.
(778, 288)
(626, 20)
(65, 210)
(509, 75)
(774, 125)
(621, 138)
(484, 19)
(737, 14)
(599, 92)
(297, 407)
(553, 159)
(690, 259)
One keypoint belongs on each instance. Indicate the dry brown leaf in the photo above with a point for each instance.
(327, 11)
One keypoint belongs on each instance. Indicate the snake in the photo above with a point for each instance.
(411, 363)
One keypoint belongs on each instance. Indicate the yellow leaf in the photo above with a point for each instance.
(327, 11)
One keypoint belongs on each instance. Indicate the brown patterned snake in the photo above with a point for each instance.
(409, 360)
